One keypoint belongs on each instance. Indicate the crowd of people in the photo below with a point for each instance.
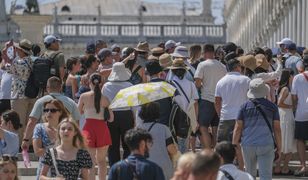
(247, 110)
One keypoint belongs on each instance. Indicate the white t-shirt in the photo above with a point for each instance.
(300, 88)
(210, 72)
(5, 85)
(232, 89)
(234, 172)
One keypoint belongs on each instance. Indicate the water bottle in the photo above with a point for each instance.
(25, 156)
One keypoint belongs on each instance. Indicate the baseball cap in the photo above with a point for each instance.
(171, 44)
(51, 39)
(285, 41)
(90, 49)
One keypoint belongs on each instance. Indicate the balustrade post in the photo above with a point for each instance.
(77, 29)
(162, 32)
(120, 30)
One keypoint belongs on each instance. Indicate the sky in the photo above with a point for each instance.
(217, 6)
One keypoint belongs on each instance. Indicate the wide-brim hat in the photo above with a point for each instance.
(142, 47)
(248, 61)
(257, 89)
(25, 45)
(178, 63)
(262, 62)
(119, 72)
(165, 60)
(180, 51)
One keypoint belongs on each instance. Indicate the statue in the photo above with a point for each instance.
(32, 4)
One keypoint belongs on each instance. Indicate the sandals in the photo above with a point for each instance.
(300, 173)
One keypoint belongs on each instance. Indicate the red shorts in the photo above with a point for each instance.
(96, 133)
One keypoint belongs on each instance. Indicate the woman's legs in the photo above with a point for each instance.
(92, 152)
(101, 154)
(287, 158)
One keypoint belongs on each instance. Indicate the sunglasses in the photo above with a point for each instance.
(50, 110)
(9, 158)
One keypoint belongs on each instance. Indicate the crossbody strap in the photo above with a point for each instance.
(257, 105)
(136, 70)
(227, 175)
(305, 75)
(52, 152)
(151, 126)
(181, 90)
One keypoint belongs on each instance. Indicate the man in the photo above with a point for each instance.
(52, 45)
(208, 73)
(205, 166)
(282, 45)
(170, 46)
(54, 87)
(100, 44)
(299, 96)
(228, 170)
(230, 94)
(136, 166)
(154, 70)
(257, 131)
(294, 60)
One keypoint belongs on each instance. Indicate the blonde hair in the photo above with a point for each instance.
(3, 163)
(78, 140)
(186, 160)
(195, 53)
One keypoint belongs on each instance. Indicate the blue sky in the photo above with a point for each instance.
(217, 6)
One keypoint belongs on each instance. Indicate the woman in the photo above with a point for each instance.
(70, 155)
(8, 168)
(21, 68)
(287, 122)
(163, 150)
(194, 56)
(9, 139)
(71, 84)
(45, 134)
(123, 118)
(93, 105)
(256, 131)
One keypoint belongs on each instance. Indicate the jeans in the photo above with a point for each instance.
(182, 144)
(261, 155)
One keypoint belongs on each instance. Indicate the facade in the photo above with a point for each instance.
(252, 23)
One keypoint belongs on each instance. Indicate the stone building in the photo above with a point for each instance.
(253, 23)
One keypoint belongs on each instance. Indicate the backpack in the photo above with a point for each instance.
(179, 122)
(41, 71)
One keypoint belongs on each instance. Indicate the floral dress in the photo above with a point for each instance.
(20, 69)
(69, 169)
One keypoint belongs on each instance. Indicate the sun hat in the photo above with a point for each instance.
(143, 46)
(257, 89)
(51, 39)
(119, 72)
(262, 62)
(171, 44)
(25, 45)
(178, 63)
(285, 41)
(248, 61)
(157, 51)
(165, 60)
(180, 51)
(152, 58)
(153, 67)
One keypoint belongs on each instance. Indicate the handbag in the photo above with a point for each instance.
(269, 127)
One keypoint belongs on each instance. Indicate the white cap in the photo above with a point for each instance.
(285, 41)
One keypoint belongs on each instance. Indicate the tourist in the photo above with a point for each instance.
(136, 166)
(71, 83)
(94, 106)
(68, 159)
(9, 139)
(257, 132)
(123, 117)
(8, 168)
(164, 150)
(45, 134)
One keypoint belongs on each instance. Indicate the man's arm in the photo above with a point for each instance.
(294, 101)
(198, 83)
(28, 133)
(277, 134)
(237, 133)
(218, 105)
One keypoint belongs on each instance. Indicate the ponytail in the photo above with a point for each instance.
(96, 80)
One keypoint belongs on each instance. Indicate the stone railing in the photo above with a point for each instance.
(128, 33)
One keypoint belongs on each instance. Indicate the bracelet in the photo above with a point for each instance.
(26, 140)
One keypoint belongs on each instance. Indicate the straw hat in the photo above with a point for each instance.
(142, 46)
(119, 72)
(178, 63)
(25, 45)
(248, 61)
(262, 62)
(165, 60)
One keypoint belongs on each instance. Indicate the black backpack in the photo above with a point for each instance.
(179, 122)
(41, 71)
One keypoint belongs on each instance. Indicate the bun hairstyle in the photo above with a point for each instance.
(12, 116)
(96, 80)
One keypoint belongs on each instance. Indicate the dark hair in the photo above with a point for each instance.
(258, 50)
(91, 59)
(149, 112)
(284, 78)
(96, 79)
(260, 70)
(12, 116)
(133, 137)
(180, 73)
(130, 64)
(226, 150)
(36, 49)
(208, 48)
(60, 106)
(70, 62)
(83, 68)
(240, 51)
(268, 53)
(206, 162)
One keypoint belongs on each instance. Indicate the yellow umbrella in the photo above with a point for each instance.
(141, 94)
